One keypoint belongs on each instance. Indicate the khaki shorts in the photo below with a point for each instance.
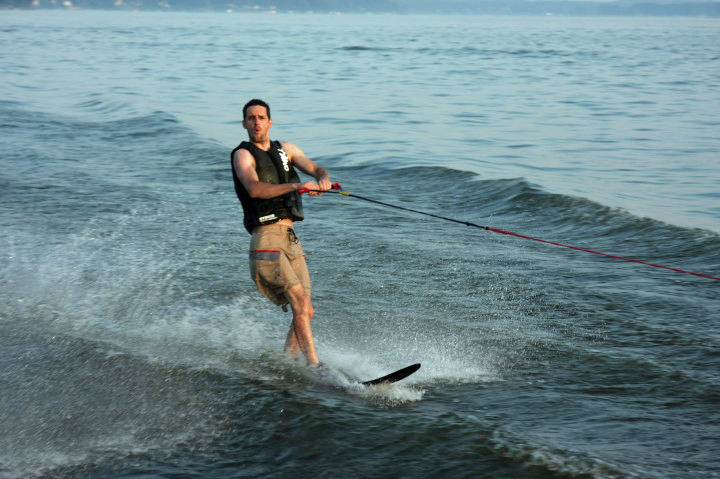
(277, 262)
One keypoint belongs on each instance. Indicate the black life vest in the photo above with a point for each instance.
(272, 166)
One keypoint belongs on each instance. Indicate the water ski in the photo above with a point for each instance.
(393, 377)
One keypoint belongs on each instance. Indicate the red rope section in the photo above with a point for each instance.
(496, 230)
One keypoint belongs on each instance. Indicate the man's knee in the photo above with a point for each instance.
(299, 300)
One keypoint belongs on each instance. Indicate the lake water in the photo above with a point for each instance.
(134, 344)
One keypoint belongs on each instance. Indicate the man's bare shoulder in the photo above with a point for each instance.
(244, 162)
(290, 149)
(286, 144)
(243, 154)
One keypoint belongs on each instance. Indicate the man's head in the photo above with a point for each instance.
(257, 122)
(256, 102)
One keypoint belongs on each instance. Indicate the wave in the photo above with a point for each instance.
(519, 206)
(460, 192)
(133, 151)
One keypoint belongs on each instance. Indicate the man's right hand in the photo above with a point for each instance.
(309, 187)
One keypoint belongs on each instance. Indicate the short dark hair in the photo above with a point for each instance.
(255, 102)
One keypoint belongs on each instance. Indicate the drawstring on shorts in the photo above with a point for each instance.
(293, 236)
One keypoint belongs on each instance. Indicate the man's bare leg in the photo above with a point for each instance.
(300, 336)
(292, 348)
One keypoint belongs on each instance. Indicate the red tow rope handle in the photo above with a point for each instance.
(335, 186)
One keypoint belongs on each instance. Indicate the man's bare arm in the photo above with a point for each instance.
(307, 166)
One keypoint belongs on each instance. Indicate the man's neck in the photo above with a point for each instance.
(263, 145)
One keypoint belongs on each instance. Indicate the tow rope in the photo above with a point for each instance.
(337, 188)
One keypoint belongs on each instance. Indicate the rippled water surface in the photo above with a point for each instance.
(133, 343)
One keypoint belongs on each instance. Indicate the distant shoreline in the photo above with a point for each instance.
(459, 7)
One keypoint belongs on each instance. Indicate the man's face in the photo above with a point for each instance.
(257, 123)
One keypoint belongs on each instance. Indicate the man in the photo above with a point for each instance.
(267, 186)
